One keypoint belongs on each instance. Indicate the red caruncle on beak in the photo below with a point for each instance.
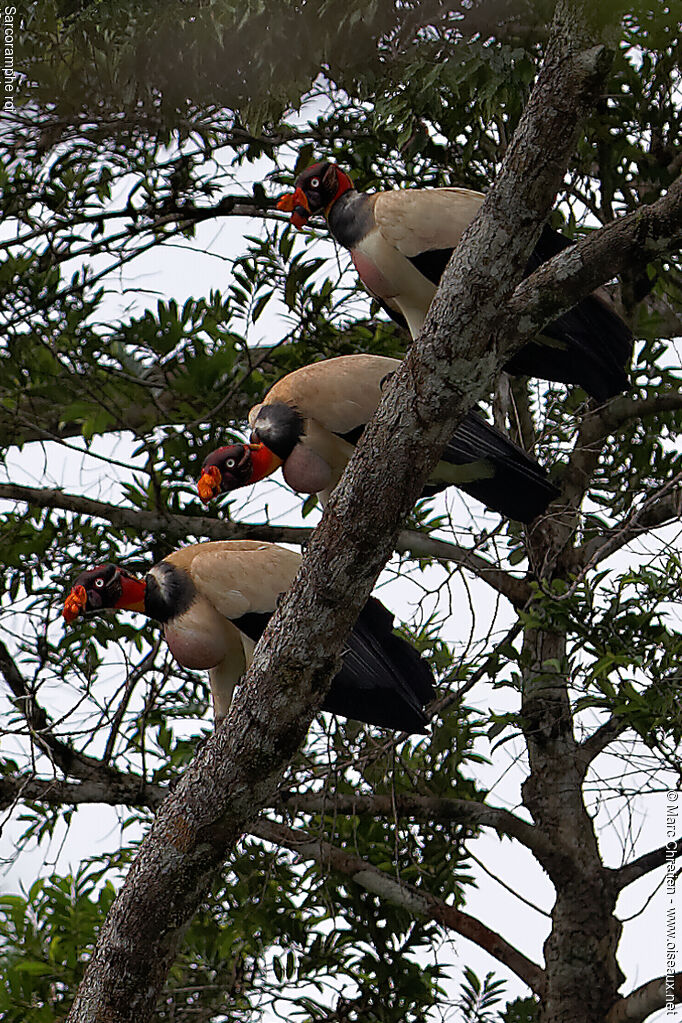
(295, 203)
(75, 604)
(210, 483)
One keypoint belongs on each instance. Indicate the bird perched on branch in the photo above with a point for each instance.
(214, 601)
(400, 242)
(311, 419)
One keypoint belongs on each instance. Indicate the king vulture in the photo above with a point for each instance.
(311, 419)
(400, 242)
(214, 601)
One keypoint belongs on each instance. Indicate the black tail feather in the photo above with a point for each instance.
(511, 482)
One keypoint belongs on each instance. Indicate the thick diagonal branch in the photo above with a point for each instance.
(639, 237)
(415, 901)
(645, 1000)
(664, 855)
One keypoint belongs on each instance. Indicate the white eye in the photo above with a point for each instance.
(314, 182)
(230, 463)
(99, 583)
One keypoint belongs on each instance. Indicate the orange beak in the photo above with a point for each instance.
(75, 604)
(209, 484)
(295, 203)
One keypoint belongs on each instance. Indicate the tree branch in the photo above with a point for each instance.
(555, 287)
(62, 755)
(658, 509)
(489, 666)
(415, 901)
(179, 527)
(614, 726)
(27, 417)
(139, 401)
(423, 808)
(131, 681)
(595, 427)
(645, 1000)
(136, 792)
(419, 545)
(602, 737)
(131, 790)
(660, 857)
(115, 790)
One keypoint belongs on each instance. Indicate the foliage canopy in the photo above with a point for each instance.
(137, 129)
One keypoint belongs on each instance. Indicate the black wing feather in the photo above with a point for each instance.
(511, 483)
(515, 485)
(431, 263)
(383, 680)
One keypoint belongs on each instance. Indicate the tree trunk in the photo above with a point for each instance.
(581, 973)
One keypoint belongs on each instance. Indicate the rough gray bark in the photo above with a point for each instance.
(582, 975)
(633, 240)
(238, 769)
